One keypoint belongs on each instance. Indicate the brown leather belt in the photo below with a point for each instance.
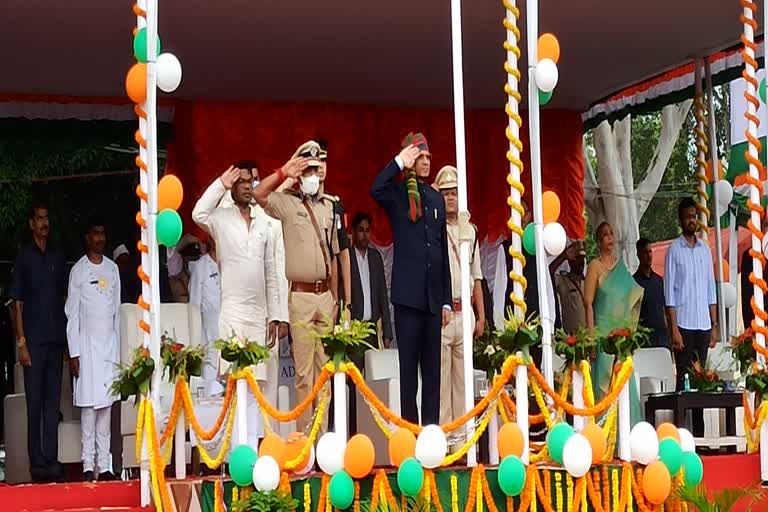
(317, 287)
(457, 306)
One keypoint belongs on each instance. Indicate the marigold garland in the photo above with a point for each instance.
(569, 492)
(214, 463)
(606, 489)
(479, 495)
(435, 494)
(218, 497)
(189, 410)
(472, 491)
(487, 494)
(316, 425)
(426, 488)
(455, 494)
(307, 497)
(164, 503)
(594, 498)
(543, 491)
(472, 441)
(559, 491)
(296, 411)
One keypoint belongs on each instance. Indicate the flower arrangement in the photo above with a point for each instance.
(134, 379)
(704, 379)
(520, 334)
(623, 342)
(268, 501)
(723, 500)
(179, 360)
(757, 382)
(577, 347)
(342, 340)
(242, 352)
(487, 354)
(743, 350)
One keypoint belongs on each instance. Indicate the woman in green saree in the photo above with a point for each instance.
(612, 300)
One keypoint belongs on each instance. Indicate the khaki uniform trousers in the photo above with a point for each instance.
(452, 369)
(309, 313)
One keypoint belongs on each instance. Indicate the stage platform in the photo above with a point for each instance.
(198, 495)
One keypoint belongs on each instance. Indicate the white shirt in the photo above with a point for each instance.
(365, 281)
(204, 285)
(93, 329)
(246, 257)
(689, 283)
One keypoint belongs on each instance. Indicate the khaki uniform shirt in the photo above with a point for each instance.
(304, 261)
(475, 272)
(570, 289)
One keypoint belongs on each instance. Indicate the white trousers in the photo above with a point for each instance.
(95, 429)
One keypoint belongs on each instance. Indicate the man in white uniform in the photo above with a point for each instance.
(205, 293)
(246, 253)
(93, 336)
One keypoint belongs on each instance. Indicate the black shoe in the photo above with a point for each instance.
(56, 472)
(88, 476)
(39, 476)
(107, 476)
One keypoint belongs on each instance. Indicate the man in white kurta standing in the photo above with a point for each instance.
(205, 293)
(249, 292)
(93, 336)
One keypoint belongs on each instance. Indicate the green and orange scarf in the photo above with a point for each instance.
(411, 181)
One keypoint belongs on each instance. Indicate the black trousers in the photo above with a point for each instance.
(695, 348)
(418, 347)
(42, 388)
(359, 360)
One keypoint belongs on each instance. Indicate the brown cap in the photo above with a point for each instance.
(311, 150)
(580, 251)
(447, 178)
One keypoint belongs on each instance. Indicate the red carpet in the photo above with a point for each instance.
(71, 497)
(740, 470)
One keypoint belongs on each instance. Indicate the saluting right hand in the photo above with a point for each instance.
(229, 177)
(294, 167)
(409, 155)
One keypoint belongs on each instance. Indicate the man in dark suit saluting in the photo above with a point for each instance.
(421, 281)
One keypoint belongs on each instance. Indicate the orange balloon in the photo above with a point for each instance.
(296, 442)
(136, 83)
(170, 193)
(726, 271)
(359, 456)
(402, 445)
(275, 448)
(548, 47)
(597, 441)
(550, 204)
(656, 483)
(510, 440)
(666, 430)
(720, 171)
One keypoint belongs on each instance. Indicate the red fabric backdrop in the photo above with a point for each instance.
(211, 135)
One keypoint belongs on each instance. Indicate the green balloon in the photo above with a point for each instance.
(241, 464)
(341, 490)
(529, 239)
(169, 227)
(410, 477)
(511, 475)
(693, 468)
(544, 97)
(140, 45)
(556, 439)
(671, 455)
(761, 90)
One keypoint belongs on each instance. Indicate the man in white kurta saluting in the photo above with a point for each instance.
(93, 336)
(249, 290)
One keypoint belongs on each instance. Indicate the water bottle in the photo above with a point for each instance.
(687, 383)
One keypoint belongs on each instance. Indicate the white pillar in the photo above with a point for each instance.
(718, 211)
(180, 447)
(521, 400)
(144, 476)
(340, 403)
(624, 424)
(464, 236)
(493, 439)
(241, 411)
(578, 398)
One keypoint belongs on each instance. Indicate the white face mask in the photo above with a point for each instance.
(310, 184)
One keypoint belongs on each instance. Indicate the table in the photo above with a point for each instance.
(681, 401)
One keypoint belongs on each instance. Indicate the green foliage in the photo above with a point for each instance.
(520, 334)
(577, 347)
(179, 360)
(487, 354)
(623, 342)
(721, 501)
(744, 351)
(418, 504)
(269, 501)
(757, 383)
(341, 341)
(134, 379)
(242, 352)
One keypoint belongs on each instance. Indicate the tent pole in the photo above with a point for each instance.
(716, 176)
(701, 151)
(466, 233)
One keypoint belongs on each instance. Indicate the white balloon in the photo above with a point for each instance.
(431, 446)
(266, 474)
(577, 455)
(168, 72)
(728, 294)
(554, 238)
(644, 443)
(310, 463)
(330, 452)
(687, 443)
(546, 75)
(724, 194)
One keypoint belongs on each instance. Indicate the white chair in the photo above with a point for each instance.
(382, 375)
(654, 372)
(183, 321)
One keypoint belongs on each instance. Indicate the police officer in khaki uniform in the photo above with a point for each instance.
(311, 247)
(452, 403)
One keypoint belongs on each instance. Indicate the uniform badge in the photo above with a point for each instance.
(103, 283)
(313, 152)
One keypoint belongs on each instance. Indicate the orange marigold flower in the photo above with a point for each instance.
(571, 340)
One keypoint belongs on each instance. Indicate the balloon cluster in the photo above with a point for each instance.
(512, 470)
(168, 69)
(555, 238)
(169, 196)
(546, 74)
(411, 454)
(263, 470)
(344, 460)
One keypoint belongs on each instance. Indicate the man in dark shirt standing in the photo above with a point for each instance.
(38, 287)
(652, 308)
